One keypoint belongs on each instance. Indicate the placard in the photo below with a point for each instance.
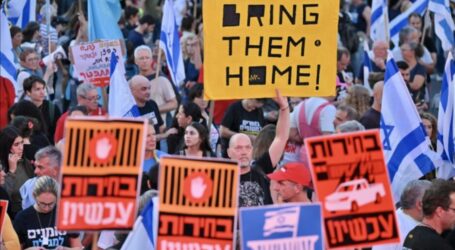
(92, 61)
(284, 226)
(101, 174)
(352, 183)
(251, 48)
(198, 203)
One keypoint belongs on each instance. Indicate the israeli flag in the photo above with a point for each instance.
(20, 12)
(143, 235)
(446, 146)
(405, 143)
(443, 22)
(367, 65)
(379, 19)
(7, 67)
(121, 101)
(170, 43)
(401, 20)
(283, 220)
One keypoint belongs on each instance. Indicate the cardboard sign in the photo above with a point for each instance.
(251, 48)
(101, 170)
(3, 210)
(198, 203)
(290, 226)
(352, 183)
(92, 61)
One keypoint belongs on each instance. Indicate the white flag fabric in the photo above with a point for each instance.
(405, 143)
(367, 65)
(283, 220)
(401, 21)
(170, 43)
(143, 235)
(445, 146)
(444, 26)
(379, 21)
(7, 66)
(20, 12)
(121, 101)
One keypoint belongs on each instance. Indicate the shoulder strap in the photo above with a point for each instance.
(317, 115)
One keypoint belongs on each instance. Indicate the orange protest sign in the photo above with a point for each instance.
(352, 183)
(100, 174)
(198, 203)
(3, 209)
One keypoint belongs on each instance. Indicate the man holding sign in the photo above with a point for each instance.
(254, 186)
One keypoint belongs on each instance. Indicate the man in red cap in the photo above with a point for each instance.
(292, 182)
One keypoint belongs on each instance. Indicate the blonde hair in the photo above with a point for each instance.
(45, 184)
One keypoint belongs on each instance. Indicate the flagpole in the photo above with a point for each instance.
(424, 32)
(386, 24)
(158, 63)
(48, 25)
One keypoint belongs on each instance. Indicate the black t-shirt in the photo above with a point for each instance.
(254, 186)
(417, 95)
(51, 113)
(425, 238)
(151, 111)
(371, 119)
(33, 231)
(238, 119)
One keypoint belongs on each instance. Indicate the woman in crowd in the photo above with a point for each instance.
(25, 127)
(417, 74)
(29, 62)
(196, 95)
(187, 113)
(17, 169)
(196, 142)
(430, 123)
(39, 137)
(41, 217)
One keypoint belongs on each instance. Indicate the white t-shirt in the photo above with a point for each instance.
(426, 58)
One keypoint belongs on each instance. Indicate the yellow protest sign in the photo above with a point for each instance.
(251, 48)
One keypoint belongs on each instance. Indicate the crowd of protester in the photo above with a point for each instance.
(265, 136)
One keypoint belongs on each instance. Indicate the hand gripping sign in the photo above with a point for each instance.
(100, 174)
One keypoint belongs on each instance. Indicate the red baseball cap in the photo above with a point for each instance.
(293, 171)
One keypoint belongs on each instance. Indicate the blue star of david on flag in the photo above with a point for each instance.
(387, 129)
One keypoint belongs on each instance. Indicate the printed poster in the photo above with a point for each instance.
(284, 226)
(253, 47)
(92, 60)
(352, 184)
(101, 173)
(198, 203)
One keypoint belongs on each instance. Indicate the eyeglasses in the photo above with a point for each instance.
(93, 98)
(45, 205)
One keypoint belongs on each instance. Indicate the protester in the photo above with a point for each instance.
(48, 162)
(438, 206)
(17, 169)
(41, 217)
(345, 113)
(196, 143)
(372, 116)
(293, 181)
(254, 186)
(187, 113)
